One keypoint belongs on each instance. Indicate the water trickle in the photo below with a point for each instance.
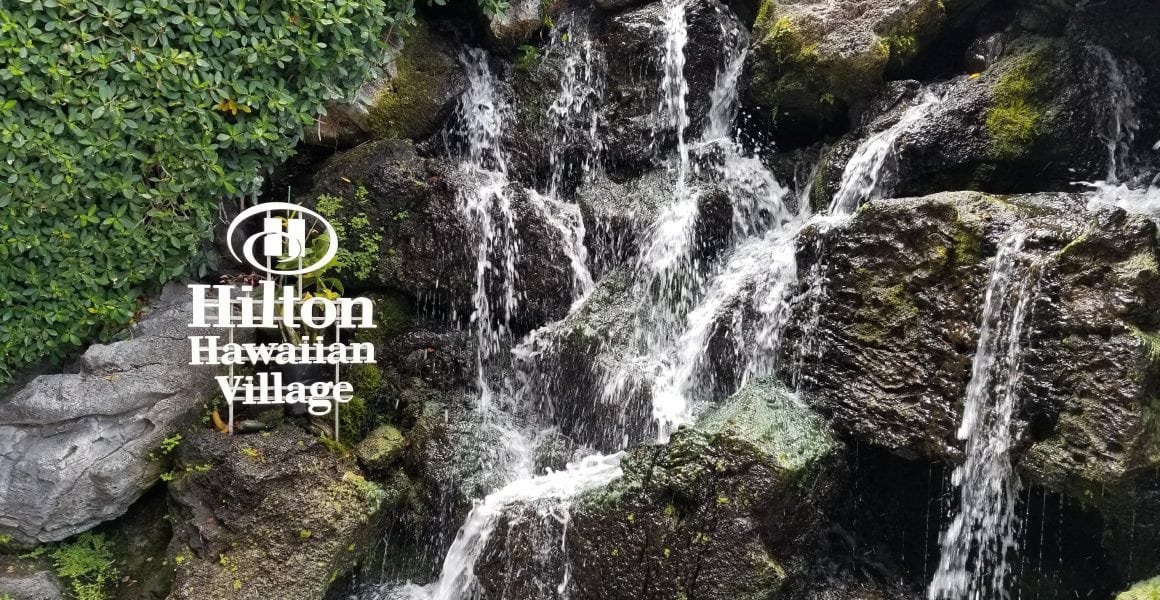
(977, 546)
(1119, 110)
(488, 206)
(549, 492)
(869, 175)
(573, 114)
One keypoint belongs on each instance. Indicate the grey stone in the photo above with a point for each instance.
(41, 585)
(74, 447)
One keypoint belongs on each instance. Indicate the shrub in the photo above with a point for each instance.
(122, 125)
(87, 564)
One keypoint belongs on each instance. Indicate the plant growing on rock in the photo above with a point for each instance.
(123, 123)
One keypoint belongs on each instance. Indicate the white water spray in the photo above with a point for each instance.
(977, 545)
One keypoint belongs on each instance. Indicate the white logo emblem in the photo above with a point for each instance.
(283, 238)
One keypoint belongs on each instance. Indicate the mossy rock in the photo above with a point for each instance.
(816, 58)
(381, 448)
(1145, 590)
(418, 96)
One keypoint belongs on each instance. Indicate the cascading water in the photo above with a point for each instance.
(488, 205)
(977, 545)
(1126, 185)
(868, 175)
(549, 493)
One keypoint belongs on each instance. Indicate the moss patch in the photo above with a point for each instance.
(1145, 590)
(1013, 121)
(775, 421)
(404, 107)
(885, 309)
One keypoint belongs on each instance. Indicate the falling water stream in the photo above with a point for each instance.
(978, 544)
(683, 302)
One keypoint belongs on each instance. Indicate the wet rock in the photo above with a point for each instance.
(248, 504)
(715, 513)
(898, 328)
(413, 98)
(400, 217)
(811, 60)
(381, 448)
(1145, 590)
(38, 585)
(569, 366)
(74, 447)
(1031, 122)
(634, 45)
(520, 20)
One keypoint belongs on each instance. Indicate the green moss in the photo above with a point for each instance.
(778, 423)
(382, 447)
(1145, 590)
(403, 108)
(1013, 121)
(884, 309)
(1150, 437)
(353, 419)
(968, 245)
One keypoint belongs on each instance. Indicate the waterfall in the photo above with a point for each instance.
(573, 118)
(1120, 119)
(457, 578)
(1139, 191)
(979, 541)
(869, 173)
(488, 205)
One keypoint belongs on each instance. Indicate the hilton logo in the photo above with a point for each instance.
(293, 241)
(283, 238)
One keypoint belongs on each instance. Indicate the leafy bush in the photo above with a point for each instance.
(87, 564)
(124, 122)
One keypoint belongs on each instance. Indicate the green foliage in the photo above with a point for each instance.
(122, 123)
(1012, 122)
(87, 564)
(1145, 590)
(529, 56)
(360, 262)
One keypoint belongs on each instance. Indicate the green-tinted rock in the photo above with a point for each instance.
(424, 82)
(814, 58)
(382, 448)
(1145, 590)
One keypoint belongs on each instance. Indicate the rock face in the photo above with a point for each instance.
(41, 585)
(74, 447)
(898, 327)
(812, 59)
(402, 217)
(1024, 124)
(635, 135)
(257, 516)
(412, 100)
(714, 513)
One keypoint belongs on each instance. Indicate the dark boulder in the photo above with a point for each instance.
(267, 516)
(718, 512)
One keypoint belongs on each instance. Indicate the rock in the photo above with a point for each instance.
(400, 217)
(267, 516)
(898, 328)
(614, 5)
(520, 20)
(716, 513)
(1145, 590)
(634, 46)
(1031, 122)
(74, 447)
(381, 448)
(416, 94)
(39, 585)
(812, 59)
